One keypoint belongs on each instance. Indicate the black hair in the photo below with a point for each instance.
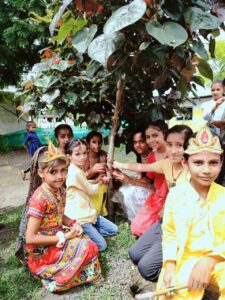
(29, 124)
(186, 130)
(136, 131)
(159, 125)
(218, 81)
(91, 134)
(74, 143)
(62, 127)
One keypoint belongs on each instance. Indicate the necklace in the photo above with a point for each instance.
(176, 177)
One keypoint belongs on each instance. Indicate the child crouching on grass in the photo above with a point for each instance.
(79, 190)
(194, 222)
(60, 258)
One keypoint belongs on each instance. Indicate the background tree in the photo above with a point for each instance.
(108, 59)
(20, 39)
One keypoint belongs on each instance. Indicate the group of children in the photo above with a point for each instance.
(176, 209)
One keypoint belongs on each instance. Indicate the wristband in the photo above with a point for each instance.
(62, 239)
(72, 223)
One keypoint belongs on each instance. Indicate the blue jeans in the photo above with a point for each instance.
(97, 231)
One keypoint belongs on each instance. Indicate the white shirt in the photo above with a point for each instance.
(216, 116)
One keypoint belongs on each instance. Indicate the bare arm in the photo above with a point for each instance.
(129, 180)
(133, 167)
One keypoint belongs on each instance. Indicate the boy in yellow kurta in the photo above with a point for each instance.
(194, 223)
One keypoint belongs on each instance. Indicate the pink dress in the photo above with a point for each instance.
(150, 212)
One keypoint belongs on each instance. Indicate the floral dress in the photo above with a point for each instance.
(60, 268)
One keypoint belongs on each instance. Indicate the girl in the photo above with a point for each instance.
(95, 166)
(78, 197)
(155, 138)
(213, 110)
(61, 259)
(146, 253)
(33, 142)
(134, 190)
(63, 133)
(193, 224)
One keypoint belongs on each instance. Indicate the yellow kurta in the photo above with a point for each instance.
(192, 230)
(79, 190)
(99, 200)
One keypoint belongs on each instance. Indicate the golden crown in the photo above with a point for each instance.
(204, 142)
(53, 153)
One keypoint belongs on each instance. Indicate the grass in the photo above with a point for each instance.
(16, 282)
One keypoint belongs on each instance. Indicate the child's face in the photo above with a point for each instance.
(79, 156)
(95, 144)
(32, 127)
(175, 147)
(204, 168)
(56, 177)
(63, 137)
(154, 138)
(217, 91)
(139, 144)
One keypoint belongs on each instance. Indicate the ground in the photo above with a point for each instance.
(121, 277)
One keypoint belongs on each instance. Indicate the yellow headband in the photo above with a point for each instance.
(53, 153)
(204, 142)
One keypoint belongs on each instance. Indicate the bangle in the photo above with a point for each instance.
(72, 223)
(62, 239)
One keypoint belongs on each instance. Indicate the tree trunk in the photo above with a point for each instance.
(113, 131)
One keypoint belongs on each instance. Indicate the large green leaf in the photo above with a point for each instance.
(125, 16)
(104, 45)
(199, 48)
(70, 98)
(205, 69)
(46, 81)
(83, 38)
(50, 97)
(170, 33)
(70, 26)
(199, 19)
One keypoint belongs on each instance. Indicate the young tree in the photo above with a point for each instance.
(107, 59)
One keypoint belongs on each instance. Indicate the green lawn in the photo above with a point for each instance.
(16, 282)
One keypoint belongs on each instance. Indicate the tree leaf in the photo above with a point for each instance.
(61, 66)
(46, 81)
(50, 97)
(70, 98)
(58, 15)
(83, 38)
(168, 8)
(144, 45)
(198, 19)
(170, 33)
(104, 45)
(125, 16)
(199, 48)
(70, 26)
(205, 69)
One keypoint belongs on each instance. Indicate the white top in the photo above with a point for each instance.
(216, 116)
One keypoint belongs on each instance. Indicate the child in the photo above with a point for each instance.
(79, 205)
(213, 110)
(61, 259)
(193, 224)
(94, 166)
(134, 190)
(63, 133)
(33, 142)
(146, 253)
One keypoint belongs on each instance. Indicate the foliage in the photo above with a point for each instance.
(20, 38)
(219, 62)
(153, 48)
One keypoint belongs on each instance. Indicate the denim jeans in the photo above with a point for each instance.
(99, 230)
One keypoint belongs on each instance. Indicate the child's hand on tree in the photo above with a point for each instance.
(99, 168)
(201, 273)
(121, 177)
